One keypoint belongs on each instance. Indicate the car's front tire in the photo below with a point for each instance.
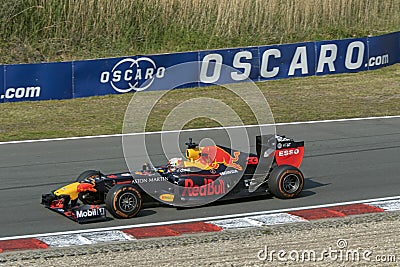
(123, 201)
(286, 181)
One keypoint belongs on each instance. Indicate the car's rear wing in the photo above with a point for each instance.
(286, 150)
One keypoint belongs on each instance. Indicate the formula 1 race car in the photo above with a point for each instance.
(208, 173)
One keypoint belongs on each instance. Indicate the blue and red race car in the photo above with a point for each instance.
(208, 174)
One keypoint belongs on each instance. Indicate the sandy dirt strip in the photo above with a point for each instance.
(367, 240)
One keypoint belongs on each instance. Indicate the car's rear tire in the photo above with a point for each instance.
(123, 201)
(286, 181)
(91, 198)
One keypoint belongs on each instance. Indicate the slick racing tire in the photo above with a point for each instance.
(286, 181)
(123, 201)
(91, 198)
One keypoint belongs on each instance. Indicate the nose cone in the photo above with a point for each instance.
(67, 189)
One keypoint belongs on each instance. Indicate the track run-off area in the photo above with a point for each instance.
(345, 161)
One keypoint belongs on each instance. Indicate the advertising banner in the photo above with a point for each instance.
(341, 56)
(44, 81)
(288, 60)
(383, 50)
(2, 85)
(243, 64)
(87, 77)
(127, 74)
(97, 77)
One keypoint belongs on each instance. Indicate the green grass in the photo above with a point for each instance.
(53, 30)
(370, 93)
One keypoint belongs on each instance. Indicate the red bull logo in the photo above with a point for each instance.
(210, 188)
(214, 156)
(83, 187)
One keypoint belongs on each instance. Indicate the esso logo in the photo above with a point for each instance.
(132, 74)
(288, 152)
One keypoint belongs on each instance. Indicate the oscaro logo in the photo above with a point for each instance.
(331, 58)
(132, 74)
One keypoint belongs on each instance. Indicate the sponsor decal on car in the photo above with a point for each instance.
(284, 145)
(184, 170)
(288, 152)
(95, 212)
(167, 197)
(209, 188)
(142, 180)
(219, 156)
(252, 161)
(228, 172)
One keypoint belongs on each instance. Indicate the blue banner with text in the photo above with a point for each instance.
(25, 82)
(64, 80)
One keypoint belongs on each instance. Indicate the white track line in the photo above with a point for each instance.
(200, 129)
(200, 219)
(206, 218)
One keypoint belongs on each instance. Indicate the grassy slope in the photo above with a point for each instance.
(53, 30)
(50, 30)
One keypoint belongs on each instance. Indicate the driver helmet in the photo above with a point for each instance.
(175, 163)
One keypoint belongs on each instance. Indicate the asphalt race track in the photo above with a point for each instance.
(344, 161)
